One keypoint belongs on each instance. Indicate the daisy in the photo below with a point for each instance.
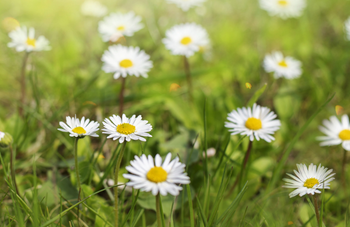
(93, 8)
(79, 128)
(283, 8)
(117, 25)
(123, 61)
(255, 122)
(309, 180)
(151, 175)
(336, 132)
(347, 28)
(286, 67)
(186, 4)
(24, 40)
(126, 129)
(186, 39)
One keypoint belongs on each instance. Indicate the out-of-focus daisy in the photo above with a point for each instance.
(347, 28)
(286, 67)
(126, 129)
(23, 39)
(123, 61)
(210, 152)
(93, 8)
(283, 8)
(117, 25)
(258, 122)
(79, 128)
(309, 180)
(186, 4)
(186, 39)
(2, 135)
(153, 175)
(336, 132)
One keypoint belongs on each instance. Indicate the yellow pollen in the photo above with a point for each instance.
(283, 63)
(121, 28)
(311, 182)
(126, 63)
(345, 134)
(283, 2)
(31, 42)
(157, 174)
(125, 128)
(186, 40)
(253, 123)
(79, 130)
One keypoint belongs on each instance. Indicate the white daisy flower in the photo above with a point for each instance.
(79, 128)
(24, 40)
(283, 8)
(336, 132)
(123, 61)
(151, 175)
(2, 135)
(309, 180)
(186, 39)
(93, 8)
(126, 129)
(185, 5)
(347, 28)
(255, 122)
(286, 67)
(117, 25)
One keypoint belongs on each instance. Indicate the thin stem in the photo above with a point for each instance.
(188, 77)
(23, 82)
(119, 160)
(77, 173)
(121, 97)
(343, 169)
(316, 210)
(159, 218)
(13, 175)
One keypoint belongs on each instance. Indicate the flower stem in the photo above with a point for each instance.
(343, 169)
(119, 160)
(121, 97)
(188, 77)
(316, 210)
(23, 83)
(159, 218)
(77, 173)
(13, 175)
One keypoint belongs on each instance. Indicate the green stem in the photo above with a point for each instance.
(316, 210)
(159, 218)
(13, 175)
(343, 169)
(188, 77)
(23, 83)
(119, 160)
(77, 173)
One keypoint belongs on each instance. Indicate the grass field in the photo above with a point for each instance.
(68, 81)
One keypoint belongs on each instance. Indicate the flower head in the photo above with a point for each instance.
(79, 128)
(5, 139)
(283, 8)
(24, 40)
(117, 25)
(186, 39)
(309, 180)
(286, 67)
(185, 5)
(255, 122)
(123, 61)
(126, 129)
(93, 8)
(336, 132)
(153, 175)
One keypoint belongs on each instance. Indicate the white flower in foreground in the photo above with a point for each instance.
(336, 132)
(151, 175)
(283, 8)
(186, 4)
(347, 28)
(24, 40)
(117, 25)
(286, 67)
(309, 180)
(186, 39)
(123, 61)
(255, 122)
(79, 128)
(126, 129)
(93, 8)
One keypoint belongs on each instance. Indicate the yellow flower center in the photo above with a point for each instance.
(283, 63)
(283, 2)
(253, 123)
(79, 130)
(186, 40)
(31, 42)
(121, 28)
(310, 183)
(157, 174)
(126, 63)
(345, 134)
(125, 128)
